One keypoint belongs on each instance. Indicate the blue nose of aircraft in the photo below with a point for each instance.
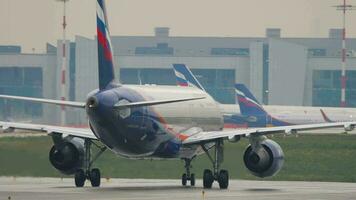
(128, 131)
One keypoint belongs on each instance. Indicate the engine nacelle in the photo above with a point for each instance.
(68, 155)
(349, 127)
(266, 161)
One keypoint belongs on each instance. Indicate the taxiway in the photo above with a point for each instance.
(56, 188)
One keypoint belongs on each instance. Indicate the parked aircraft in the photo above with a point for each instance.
(251, 112)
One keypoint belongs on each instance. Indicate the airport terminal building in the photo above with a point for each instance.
(280, 71)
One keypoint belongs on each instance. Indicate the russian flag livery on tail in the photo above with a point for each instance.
(185, 77)
(105, 53)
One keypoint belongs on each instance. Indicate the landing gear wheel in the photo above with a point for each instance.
(95, 177)
(223, 179)
(184, 179)
(192, 179)
(79, 178)
(208, 178)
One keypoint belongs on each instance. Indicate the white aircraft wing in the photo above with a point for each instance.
(229, 134)
(76, 132)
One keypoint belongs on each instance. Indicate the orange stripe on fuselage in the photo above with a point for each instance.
(170, 130)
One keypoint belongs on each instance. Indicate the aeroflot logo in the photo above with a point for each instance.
(251, 119)
(182, 81)
(244, 99)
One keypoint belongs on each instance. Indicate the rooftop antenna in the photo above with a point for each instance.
(343, 7)
(64, 64)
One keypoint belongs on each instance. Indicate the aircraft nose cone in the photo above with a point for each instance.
(92, 102)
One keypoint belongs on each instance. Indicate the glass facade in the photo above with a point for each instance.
(10, 49)
(22, 81)
(265, 86)
(160, 49)
(72, 72)
(230, 51)
(317, 52)
(147, 76)
(327, 88)
(218, 82)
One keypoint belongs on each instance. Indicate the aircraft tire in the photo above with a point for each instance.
(184, 179)
(208, 179)
(223, 179)
(79, 178)
(192, 180)
(95, 177)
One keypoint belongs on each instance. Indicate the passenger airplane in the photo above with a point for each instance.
(154, 122)
(252, 113)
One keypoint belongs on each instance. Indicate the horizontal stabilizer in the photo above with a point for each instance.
(154, 102)
(65, 131)
(49, 101)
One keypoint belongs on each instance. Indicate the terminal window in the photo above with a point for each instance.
(159, 49)
(317, 52)
(230, 51)
(219, 83)
(327, 88)
(21, 81)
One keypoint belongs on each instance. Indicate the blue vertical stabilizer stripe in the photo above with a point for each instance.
(190, 78)
(247, 102)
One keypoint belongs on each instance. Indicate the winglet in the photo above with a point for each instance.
(105, 53)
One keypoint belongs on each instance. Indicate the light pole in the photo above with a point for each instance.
(344, 7)
(64, 64)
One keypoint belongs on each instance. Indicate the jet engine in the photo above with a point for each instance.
(67, 155)
(264, 159)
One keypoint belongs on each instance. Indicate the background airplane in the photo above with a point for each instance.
(251, 113)
(154, 122)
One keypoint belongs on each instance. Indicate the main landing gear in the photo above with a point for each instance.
(88, 173)
(221, 176)
(187, 176)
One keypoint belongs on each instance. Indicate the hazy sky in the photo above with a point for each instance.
(32, 23)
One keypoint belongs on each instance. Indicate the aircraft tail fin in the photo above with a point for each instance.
(185, 77)
(247, 102)
(325, 117)
(105, 53)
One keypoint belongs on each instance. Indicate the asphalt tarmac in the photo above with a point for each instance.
(56, 188)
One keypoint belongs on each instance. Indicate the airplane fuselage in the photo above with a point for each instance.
(150, 131)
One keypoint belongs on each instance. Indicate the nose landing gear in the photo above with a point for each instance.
(187, 176)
